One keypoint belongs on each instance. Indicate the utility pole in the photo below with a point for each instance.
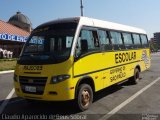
(81, 7)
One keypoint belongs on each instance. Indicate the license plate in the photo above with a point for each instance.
(30, 89)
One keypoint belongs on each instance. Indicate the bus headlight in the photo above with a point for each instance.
(59, 78)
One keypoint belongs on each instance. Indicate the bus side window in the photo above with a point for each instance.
(88, 42)
(144, 41)
(128, 42)
(136, 40)
(104, 40)
(117, 41)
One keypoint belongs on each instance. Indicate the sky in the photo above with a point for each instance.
(143, 14)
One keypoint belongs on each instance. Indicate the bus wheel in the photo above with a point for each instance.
(85, 97)
(135, 79)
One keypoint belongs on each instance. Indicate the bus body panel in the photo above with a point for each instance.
(106, 74)
(104, 70)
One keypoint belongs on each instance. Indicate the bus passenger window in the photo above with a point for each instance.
(104, 40)
(127, 38)
(88, 42)
(116, 39)
(137, 41)
(144, 41)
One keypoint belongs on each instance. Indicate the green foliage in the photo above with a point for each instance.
(154, 47)
(7, 64)
(13, 59)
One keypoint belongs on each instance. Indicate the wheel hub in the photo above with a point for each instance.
(85, 98)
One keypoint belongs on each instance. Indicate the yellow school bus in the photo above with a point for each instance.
(72, 58)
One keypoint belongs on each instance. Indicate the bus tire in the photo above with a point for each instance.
(136, 77)
(84, 97)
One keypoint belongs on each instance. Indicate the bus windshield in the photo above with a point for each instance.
(50, 44)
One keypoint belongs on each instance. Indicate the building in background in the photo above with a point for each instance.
(14, 33)
(22, 21)
(153, 41)
(157, 38)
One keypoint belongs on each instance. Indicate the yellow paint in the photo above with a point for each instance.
(101, 67)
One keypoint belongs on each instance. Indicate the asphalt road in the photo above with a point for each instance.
(123, 102)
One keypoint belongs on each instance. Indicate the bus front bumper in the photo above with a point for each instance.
(50, 92)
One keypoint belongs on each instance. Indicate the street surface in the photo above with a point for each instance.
(122, 102)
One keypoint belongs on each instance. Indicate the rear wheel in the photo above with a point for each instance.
(135, 79)
(85, 97)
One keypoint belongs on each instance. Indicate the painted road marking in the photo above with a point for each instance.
(5, 102)
(116, 109)
(9, 71)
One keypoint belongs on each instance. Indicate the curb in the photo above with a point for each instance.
(8, 71)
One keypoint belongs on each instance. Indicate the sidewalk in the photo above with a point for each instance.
(156, 53)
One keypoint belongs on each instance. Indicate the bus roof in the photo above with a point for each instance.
(85, 21)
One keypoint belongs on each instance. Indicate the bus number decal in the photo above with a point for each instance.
(34, 67)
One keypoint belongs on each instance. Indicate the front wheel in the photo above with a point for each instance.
(85, 97)
(136, 77)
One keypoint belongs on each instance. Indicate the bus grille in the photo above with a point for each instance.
(33, 85)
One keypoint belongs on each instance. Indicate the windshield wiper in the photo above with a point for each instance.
(40, 56)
